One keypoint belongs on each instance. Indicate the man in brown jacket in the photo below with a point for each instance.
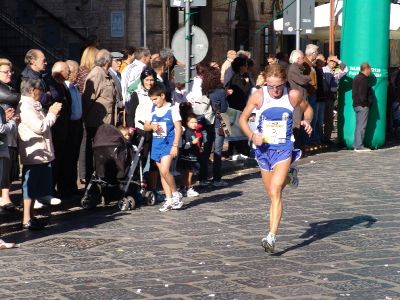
(298, 81)
(98, 101)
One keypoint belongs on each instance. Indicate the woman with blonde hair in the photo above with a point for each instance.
(87, 64)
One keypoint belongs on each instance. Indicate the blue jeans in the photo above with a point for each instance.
(218, 145)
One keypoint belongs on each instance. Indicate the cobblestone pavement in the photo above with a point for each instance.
(339, 239)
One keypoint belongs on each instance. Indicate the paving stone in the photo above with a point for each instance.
(339, 236)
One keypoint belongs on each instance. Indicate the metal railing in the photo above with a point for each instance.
(23, 31)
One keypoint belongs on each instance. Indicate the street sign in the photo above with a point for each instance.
(306, 19)
(199, 44)
(193, 3)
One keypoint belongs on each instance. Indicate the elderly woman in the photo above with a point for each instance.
(35, 148)
(8, 102)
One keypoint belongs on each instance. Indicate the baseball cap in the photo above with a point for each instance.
(117, 55)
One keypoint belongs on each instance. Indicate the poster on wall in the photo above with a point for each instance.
(117, 24)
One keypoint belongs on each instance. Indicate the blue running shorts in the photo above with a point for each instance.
(268, 159)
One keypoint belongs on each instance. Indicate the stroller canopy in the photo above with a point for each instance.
(108, 135)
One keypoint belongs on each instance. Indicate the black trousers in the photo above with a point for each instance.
(74, 138)
(59, 133)
(88, 155)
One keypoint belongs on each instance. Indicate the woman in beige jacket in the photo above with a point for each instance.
(35, 148)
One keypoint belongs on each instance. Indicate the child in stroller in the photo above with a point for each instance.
(117, 166)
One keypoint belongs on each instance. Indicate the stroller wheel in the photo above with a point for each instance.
(88, 202)
(150, 198)
(126, 203)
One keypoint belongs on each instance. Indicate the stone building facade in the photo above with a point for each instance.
(66, 25)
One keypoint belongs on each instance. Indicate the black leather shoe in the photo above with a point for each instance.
(32, 225)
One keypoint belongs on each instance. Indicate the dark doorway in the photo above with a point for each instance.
(242, 32)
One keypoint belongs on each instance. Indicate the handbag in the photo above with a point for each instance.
(202, 107)
(225, 129)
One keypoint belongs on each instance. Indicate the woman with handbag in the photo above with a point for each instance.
(213, 87)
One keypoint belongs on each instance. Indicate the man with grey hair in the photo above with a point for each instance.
(298, 81)
(98, 102)
(59, 91)
(132, 72)
(169, 60)
(311, 54)
(36, 64)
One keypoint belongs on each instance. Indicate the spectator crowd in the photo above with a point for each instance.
(49, 119)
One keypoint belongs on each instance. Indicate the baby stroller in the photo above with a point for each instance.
(115, 174)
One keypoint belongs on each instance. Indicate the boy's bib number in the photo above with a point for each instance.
(162, 130)
(274, 132)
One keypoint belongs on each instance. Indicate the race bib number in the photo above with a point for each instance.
(274, 132)
(161, 131)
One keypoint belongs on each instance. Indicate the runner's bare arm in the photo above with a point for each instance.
(296, 100)
(254, 102)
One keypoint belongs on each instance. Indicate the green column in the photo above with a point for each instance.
(365, 38)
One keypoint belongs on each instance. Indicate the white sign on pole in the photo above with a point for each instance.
(193, 3)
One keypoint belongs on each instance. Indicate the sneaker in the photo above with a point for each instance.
(362, 149)
(49, 200)
(167, 205)
(191, 193)
(204, 183)
(239, 157)
(37, 205)
(268, 244)
(293, 178)
(220, 183)
(177, 204)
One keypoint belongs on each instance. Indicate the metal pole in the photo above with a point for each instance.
(144, 24)
(332, 28)
(188, 39)
(298, 29)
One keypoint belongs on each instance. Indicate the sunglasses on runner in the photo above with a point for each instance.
(276, 87)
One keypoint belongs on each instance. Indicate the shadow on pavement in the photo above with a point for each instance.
(65, 222)
(213, 199)
(323, 229)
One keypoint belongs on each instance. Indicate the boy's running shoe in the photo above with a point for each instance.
(177, 204)
(268, 244)
(293, 178)
(191, 193)
(167, 205)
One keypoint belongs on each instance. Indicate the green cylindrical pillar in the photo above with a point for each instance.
(365, 38)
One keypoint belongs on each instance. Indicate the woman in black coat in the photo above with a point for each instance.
(9, 99)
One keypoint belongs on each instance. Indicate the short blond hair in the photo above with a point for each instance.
(88, 57)
(5, 62)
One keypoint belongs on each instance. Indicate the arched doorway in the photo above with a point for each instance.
(241, 24)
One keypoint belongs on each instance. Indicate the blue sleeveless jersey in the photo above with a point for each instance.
(274, 121)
